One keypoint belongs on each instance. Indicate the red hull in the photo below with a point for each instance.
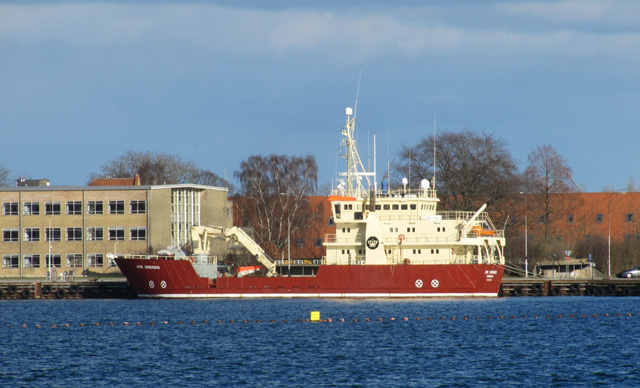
(152, 278)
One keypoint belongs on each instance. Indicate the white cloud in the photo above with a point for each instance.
(345, 37)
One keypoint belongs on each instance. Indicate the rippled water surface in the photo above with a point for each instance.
(502, 342)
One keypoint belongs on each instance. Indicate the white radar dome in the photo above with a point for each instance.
(405, 181)
(348, 111)
(424, 184)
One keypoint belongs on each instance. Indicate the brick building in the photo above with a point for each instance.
(575, 216)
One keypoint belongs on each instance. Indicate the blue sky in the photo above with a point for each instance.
(218, 81)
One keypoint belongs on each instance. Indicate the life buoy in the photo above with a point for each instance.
(11, 290)
(554, 291)
(73, 289)
(407, 261)
(575, 287)
(25, 294)
(401, 238)
(599, 291)
(517, 291)
(59, 293)
(626, 291)
(46, 289)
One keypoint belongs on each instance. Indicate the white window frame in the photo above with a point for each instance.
(92, 232)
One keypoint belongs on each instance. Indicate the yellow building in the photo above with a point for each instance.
(76, 231)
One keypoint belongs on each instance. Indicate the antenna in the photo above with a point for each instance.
(433, 183)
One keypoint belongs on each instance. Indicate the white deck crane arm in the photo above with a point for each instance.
(200, 236)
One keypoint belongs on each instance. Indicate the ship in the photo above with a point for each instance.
(388, 243)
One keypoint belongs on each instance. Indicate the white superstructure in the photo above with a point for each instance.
(402, 226)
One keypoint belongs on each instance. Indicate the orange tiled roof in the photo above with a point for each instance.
(135, 181)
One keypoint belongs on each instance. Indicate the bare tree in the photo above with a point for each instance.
(471, 168)
(158, 168)
(548, 173)
(275, 190)
(4, 176)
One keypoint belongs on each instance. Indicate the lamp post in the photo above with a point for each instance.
(526, 239)
(289, 247)
(609, 234)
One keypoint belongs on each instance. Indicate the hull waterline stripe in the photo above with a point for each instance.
(328, 295)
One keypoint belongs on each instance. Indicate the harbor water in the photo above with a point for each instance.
(550, 342)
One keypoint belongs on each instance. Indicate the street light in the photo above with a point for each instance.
(526, 240)
(609, 238)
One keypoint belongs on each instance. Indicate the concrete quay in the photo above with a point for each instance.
(512, 286)
(21, 288)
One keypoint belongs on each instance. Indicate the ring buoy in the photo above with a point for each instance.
(401, 238)
(626, 291)
(599, 291)
(11, 290)
(25, 294)
(46, 289)
(554, 291)
(407, 261)
(73, 289)
(590, 291)
(536, 288)
(59, 293)
(575, 287)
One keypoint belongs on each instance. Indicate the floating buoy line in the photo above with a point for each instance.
(316, 319)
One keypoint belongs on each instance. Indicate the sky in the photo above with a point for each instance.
(215, 82)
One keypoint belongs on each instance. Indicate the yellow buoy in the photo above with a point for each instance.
(315, 316)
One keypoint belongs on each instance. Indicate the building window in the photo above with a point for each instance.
(95, 260)
(31, 208)
(137, 233)
(74, 207)
(95, 234)
(404, 207)
(116, 207)
(95, 207)
(74, 260)
(599, 217)
(32, 261)
(629, 217)
(138, 207)
(116, 233)
(74, 234)
(10, 261)
(570, 219)
(331, 222)
(10, 208)
(31, 234)
(318, 242)
(52, 261)
(52, 234)
(52, 208)
(10, 234)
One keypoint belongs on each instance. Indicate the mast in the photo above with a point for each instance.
(355, 169)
